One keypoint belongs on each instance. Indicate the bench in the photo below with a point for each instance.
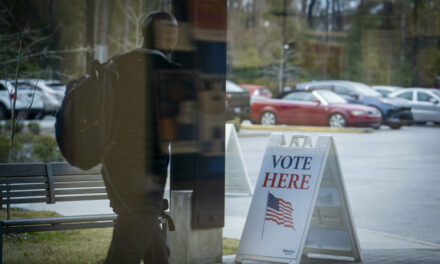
(51, 183)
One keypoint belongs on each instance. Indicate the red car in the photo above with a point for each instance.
(318, 108)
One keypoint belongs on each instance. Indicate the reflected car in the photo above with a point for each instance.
(257, 90)
(395, 113)
(52, 93)
(386, 90)
(237, 101)
(425, 103)
(317, 108)
(28, 102)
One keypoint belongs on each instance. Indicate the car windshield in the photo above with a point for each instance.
(366, 90)
(436, 92)
(330, 97)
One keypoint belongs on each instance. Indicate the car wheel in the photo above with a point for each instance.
(3, 112)
(395, 126)
(268, 119)
(337, 120)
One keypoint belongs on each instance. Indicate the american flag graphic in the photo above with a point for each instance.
(279, 211)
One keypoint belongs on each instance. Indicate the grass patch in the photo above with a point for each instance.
(72, 246)
(230, 246)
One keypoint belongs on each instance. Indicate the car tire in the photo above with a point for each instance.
(337, 120)
(3, 112)
(395, 126)
(268, 119)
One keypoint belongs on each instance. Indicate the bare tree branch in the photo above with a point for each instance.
(45, 53)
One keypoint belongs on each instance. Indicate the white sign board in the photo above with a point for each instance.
(236, 174)
(285, 220)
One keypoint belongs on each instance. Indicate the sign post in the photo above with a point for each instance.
(299, 206)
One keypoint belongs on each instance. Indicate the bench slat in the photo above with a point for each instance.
(77, 178)
(81, 198)
(22, 169)
(23, 194)
(24, 179)
(79, 184)
(80, 191)
(34, 186)
(57, 220)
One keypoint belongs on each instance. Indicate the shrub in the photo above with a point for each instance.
(4, 148)
(34, 128)
(45, 149)
(18, 127)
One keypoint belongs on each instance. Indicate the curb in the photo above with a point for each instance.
(308, 128)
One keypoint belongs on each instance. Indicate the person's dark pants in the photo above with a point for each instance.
(137, 200)
(137, 236)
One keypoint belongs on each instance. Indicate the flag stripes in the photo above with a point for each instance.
(279, 211)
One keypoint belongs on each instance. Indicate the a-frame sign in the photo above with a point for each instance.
(300, 205)
(237, 178)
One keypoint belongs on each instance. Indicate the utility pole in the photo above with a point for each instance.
(283, 48)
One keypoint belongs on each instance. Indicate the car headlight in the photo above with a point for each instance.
(357, 113)
(387, 101)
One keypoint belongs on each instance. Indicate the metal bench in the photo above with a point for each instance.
(50, 183)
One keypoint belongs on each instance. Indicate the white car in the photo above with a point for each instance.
(52, 93)
(28, 103)
(425, 103)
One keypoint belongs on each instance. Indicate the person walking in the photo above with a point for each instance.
(135, 169)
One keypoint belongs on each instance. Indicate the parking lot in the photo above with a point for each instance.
(392, 178)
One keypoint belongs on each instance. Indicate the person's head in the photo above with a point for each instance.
(160, 30)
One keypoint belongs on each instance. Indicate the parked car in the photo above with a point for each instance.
(28, 102)
(395, 113)
(386, 90)
(257, 90)
(319, 108)
(52, 93)
(425, 103)
(237, 101)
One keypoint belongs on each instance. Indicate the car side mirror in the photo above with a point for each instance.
(434, 101)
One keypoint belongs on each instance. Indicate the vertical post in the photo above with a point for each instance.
(90, 11)
(203, 170)
(188, 245)
(283, 54)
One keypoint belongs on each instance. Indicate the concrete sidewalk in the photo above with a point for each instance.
(376, 247)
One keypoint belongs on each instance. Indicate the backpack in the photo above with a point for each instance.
(86, 123)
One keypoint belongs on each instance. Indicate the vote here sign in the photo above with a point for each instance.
(282, 202)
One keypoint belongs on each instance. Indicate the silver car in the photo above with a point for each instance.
(52, 93)
(28, 102)
(425, 103)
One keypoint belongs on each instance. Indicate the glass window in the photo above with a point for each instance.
(406, 95)
(320, 87)
(331, 97)
(305, 97)
(342, 90)
(2, 87)
(424, 97)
